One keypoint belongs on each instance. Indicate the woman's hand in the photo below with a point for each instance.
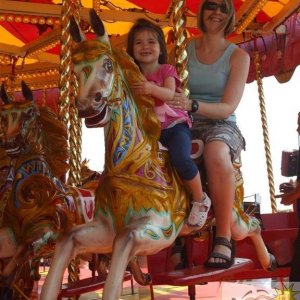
(180, 101)
(291, 197)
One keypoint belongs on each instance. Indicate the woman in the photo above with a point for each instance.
(218, 72)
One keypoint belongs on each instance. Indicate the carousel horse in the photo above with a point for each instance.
(36, 206)
(141, 204)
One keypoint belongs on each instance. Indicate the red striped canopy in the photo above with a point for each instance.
(30, 32)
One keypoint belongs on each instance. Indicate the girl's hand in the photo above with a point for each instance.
(142, 88)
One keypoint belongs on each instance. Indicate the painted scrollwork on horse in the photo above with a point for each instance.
(36, 206)
(141, 204)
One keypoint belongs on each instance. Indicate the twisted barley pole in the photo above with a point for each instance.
(96, 6)
(68, 91)
(66, 104)
(65, 63)
(75, 137)
(179, 24)
(265, 131)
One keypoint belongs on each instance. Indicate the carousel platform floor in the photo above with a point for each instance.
(210, 291)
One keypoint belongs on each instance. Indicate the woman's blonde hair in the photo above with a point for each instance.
(230, 17)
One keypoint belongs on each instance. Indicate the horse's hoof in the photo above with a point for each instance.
(144, 279)
(148, 278)
(6, 293)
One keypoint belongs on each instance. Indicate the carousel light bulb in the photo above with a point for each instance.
(49, 21)
(42, 21)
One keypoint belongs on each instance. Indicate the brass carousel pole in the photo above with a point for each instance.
(265, 131)
(68, 89)
(96, 6)
(180, 36)
(10, 83)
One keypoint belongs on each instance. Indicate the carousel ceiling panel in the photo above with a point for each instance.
(30, 30)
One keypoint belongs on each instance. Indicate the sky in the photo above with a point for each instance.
(282, 102)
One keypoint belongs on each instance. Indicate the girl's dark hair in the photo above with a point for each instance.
(141, 25)
(230, 18)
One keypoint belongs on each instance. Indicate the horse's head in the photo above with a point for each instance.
(96, 71)
(105, 75)
(16, 120)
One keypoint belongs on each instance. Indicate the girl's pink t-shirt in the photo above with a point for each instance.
(167, 116)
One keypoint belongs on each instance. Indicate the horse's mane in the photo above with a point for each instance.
(55, 141)
(145, 103)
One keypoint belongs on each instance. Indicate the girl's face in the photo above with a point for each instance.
(215, 15)
(146, 48)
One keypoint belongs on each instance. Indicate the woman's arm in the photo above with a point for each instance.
(239, 67)
(164, 93)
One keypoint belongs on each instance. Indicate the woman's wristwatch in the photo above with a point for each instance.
(194, 106)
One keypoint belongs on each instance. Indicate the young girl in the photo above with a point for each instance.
(146, 44)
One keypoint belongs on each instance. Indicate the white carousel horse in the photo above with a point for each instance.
(141, 204)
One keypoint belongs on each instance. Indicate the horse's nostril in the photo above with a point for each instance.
(98, 97)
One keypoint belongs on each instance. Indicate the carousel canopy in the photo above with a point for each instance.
(31, 32)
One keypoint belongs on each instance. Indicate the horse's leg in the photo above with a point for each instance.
(92, 237)
(140, 277)
(132, 241)
(250, 227)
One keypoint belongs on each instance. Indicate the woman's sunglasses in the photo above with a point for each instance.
(208, 5)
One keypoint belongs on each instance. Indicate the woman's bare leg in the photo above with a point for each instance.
(221, 183)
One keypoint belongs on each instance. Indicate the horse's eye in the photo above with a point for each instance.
(98, 97)
(108, 66)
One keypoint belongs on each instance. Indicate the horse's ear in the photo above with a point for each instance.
(99, 28)
(26, 91)
(96, 23)
(4, 95)
(75, 31)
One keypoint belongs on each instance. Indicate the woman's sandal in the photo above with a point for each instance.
(197, 217)
(229, 260)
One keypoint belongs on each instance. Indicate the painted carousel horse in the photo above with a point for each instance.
(141, 204)
(37, 205)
